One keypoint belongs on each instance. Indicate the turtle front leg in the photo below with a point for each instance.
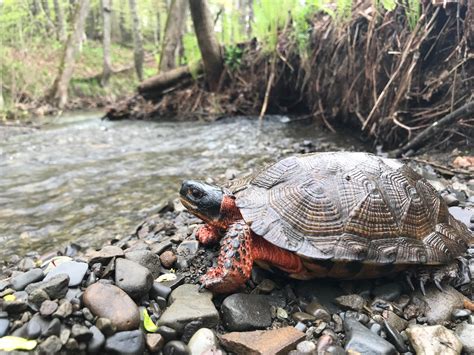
(208, 234)
(235, 261)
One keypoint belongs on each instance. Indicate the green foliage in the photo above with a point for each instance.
(233, 57)
(413, 12)
(343, 9)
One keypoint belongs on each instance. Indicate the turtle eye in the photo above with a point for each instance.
(196, 193)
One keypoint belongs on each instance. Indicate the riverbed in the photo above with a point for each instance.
(80, 179)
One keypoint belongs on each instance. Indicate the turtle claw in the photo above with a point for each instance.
(438, 285)
(422, 287)
(409, 282)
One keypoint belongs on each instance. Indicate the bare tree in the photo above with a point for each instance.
(59, 14)
(58, 94)
(106, 16)
(210, 50)
(174, 30)
(138, 53)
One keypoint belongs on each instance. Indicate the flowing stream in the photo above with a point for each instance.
(83, 180)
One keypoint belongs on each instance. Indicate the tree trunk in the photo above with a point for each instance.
(157, 31)
(59, 13)
(208, 45)
(249, 18)
(138, 53)
(58, 95)
(173, 32)
(106, 16)
(123, 30)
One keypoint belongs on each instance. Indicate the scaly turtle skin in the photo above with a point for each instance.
(341, 215)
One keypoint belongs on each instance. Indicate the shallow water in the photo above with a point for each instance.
(83, 180)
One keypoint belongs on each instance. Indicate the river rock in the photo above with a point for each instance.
(36, 326)
(176, 347)
(4, 325)
(126, 343)
(436, 339)
(159, 290)
(361, 340)
(306, 348)
(188, 304)
(48, 307)
(105, 254)
(19, 282)
(146, 259)
(133, 278)
(56, 287)
(109, 301)
(168, 333)
(168, 258)
(154, 342)
(204, 340)
(465, 332)
(246, 312)
(264, 342)
(105, 326)
(54, 328)
(37, 297)
(75, 270)
(353, 302)
(395, 321)
(440, 305)
(81, 332)
(64, 310)
(51, 345)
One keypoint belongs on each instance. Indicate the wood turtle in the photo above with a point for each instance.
(340, 215)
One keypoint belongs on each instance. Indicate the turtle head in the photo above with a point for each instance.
(213, 204)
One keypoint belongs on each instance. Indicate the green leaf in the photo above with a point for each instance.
(148, 323)
(10, 343)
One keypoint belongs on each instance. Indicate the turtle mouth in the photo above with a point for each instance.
(194, 209)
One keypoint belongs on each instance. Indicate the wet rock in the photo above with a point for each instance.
(111, 302)
(105, 254)
(353, 302)
(395, 321)
(176, 347)
(168, 333)
(188, 248)
(465, 332)
(362, 340)
(168, 258)
(126, 343)
(306, 348)
(395, 338)
(64, 310)
(81, 332)
(461, 314)
(4, 325)
(317, 310)
(56, 287)
(266, 286)
(276, 341)
(36, 326)
(388, 292)
(75, 270)
(440, 305)
(436, 339)
(54, 328)
(51, 345)
(105, 326)
(246, 312)
(133, 278)
(146, 259)
(154, 342)
(188, 304)
(48, 307)
(175, 283)
(202, 341)
(19, 282)
(160, 290)
(302, 317)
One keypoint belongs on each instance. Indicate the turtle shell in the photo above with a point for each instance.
(351, 207)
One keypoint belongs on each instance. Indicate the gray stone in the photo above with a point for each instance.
(440, 305)
(48, 307)
(461, 314)
(388, 292)
(133, 278)
(160, 290)
(154, 342)
(395, 321)
(362, 340)
(75, 270)
(56, 287)
(96, 342)
(4, 325)
(436, 339)
(64, 310)
(306, 348)
(108, 301)
(204, 340)
(81, 332)
(394, 336)
(168, 333)
(317, 310)
(353, 302)
(105, 254)
(36, 326)
(176, 347)
(303, 317)
(465, 332)
(20, 281)
(188, 248)
(54, 328)
(188, 304)
(126, 343)
(105, 326)
(242, 312)
(146, 259)
(37, 297)
(51, 345)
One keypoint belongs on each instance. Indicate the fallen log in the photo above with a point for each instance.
(157, 84)
(435, 128)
